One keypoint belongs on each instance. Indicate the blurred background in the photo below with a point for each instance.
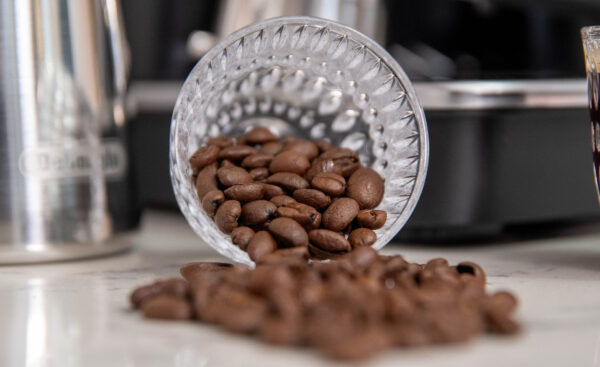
(502, 83)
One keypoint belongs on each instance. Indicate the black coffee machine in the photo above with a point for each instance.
(502, 85)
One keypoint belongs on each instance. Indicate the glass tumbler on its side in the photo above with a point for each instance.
(591, 48)
(310, 78)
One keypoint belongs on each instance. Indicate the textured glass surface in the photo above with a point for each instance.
(311, 78)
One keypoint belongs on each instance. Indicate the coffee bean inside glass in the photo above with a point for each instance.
(591, 49)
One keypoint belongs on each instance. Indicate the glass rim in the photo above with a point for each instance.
(590, 32)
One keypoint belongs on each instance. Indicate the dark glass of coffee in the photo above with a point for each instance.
(591, 48)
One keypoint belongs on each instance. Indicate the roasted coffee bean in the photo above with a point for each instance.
(167, 307)
(236, 153)
(436, 277)
(329, 183)
(259, 174)
(226, 163)
(174, 287)
(271, 191)
(330, 322)
(287, 256)
(204, 287)
(304, 214)
(399, 306)
(283, 297)
(257, 160)
(241, 236)
(502, 325)
(140, 294)
(289, 161)
(279, 331)
(320, 254)
(221, 141)
(329, 240)
(241, 312)
(348, 166)
(498, 308)
(305, 147)
(323, 145)
(226, 217)
(395, 264)
(436, 263)
(282, 200)
(314, 198)
(245, 192)
(287, 138)
(472, 292)
(433, 298)
(469, 267)
(267, 279)
(212, 200)
(320, 165)
(288, 181)
(261, 244)
(362, 257)
(204, 156)
(207, 294)
(339, 153)
(340, 214)
(409, 335)
(271, 148)
(502, 303)
(469, 281)
(358, 346)
(366, 187)
(256, 213)
(191, 270)
(372, 219)
(457, 327)
(259, 135)
(288, 232)
(361, 237)
(229, 176)
(238, 275)
(206, 180)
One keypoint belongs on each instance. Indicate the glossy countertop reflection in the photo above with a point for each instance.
(77, 313)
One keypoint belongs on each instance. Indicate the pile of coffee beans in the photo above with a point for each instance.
(349, 308)
(270, 193)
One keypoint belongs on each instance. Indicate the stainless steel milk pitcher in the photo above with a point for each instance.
(63, 162)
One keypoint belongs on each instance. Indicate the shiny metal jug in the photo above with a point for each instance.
(64, 183)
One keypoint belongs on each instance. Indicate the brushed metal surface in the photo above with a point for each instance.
(63, 69)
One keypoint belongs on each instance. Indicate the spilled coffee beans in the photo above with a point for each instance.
(350, 308)
(288, 203)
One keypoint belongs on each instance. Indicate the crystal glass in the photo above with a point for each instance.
(310, 78)
(591, 49)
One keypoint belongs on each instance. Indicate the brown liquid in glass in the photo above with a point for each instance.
(594, 105)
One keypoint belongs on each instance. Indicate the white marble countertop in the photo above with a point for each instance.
(77, 313)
